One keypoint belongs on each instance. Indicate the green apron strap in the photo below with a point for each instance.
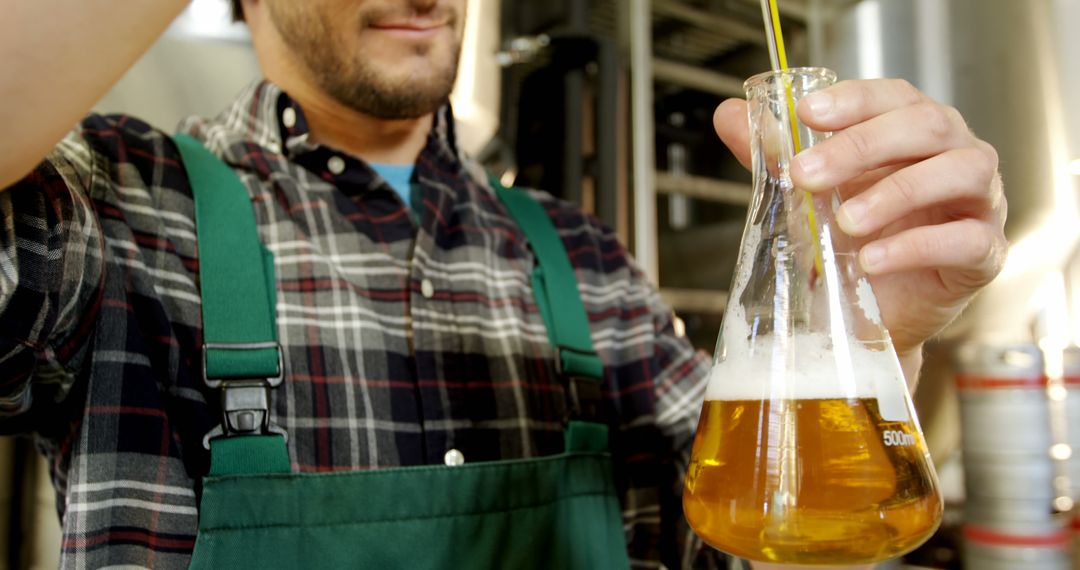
(236, 282)
(248, 454)
(557, 295)
(566, 320)
(241, 355)
(586, 437)
(558, 511)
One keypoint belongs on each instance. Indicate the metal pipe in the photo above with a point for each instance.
(577, 15)
(641, 87)
(704, 188)
(815, 30)
(697, 78)
(695, 300)
(573, 147)
(573, 112)
(792, 10)
(607, 109)
(724, 26)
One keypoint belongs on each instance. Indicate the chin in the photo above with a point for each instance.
(414, 67)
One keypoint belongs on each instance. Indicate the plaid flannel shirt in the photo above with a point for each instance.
(405, 335)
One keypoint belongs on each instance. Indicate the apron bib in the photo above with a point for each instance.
(558, 511)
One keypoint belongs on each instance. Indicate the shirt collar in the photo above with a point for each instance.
(264, 115)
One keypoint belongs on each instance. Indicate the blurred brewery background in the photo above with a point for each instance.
(608, 103)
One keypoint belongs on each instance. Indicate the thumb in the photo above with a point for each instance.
(731, 124)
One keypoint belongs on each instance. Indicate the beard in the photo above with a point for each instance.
(359, 82)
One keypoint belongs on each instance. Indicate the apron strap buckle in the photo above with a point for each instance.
(582, 372)
(245, 402)
(584, 398)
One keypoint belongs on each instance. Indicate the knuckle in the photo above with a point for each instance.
(968, 245)
(936, 119)
(956, 118)
(983, 249)
(859, 144)
(981, 167)
(864, 94)
(1001, 254)
(908, 93)
(985, 174)
(977, 246)
(1002, 205)
(915, 246)
(993, 260)
(905, 187)
(928, 248)
(989, 157)
(856, 94)
(989, 152)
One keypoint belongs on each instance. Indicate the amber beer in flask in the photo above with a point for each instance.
(862, 496)
(808, 450)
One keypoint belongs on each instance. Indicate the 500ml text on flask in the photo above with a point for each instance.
(896, 437)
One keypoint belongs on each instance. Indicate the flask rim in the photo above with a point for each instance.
(764, 78)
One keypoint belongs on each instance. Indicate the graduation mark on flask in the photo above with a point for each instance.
(894, 438)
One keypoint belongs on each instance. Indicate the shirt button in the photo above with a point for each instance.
(454, 457)
(288, 117)
(336, 164)
(427, 289)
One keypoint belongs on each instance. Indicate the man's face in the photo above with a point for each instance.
(393, 59)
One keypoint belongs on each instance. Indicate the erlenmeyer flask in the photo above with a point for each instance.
(808, 450)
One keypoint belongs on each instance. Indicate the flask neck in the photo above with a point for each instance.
(776, 133)
(797, 273)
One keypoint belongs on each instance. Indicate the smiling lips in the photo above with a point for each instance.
(416, 28)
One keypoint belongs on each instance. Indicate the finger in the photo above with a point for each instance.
(734, 129)
(909, 133)
(851, 102)
(997, 187)
(867, 179)
(972, 247)
(960, 178)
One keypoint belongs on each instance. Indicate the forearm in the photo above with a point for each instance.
(58, 58)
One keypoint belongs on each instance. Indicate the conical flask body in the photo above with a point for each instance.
(808, 450)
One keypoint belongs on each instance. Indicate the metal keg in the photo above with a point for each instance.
(1075, 528)
(1012, 516)
(1008, 471)
(1071, 379)
(1005, 436)
(986, 549)
(1003, 404)
(1010, 476)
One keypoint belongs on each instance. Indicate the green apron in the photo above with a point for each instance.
(558, 511)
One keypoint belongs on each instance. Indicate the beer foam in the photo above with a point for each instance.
(867, 301)
(802, 367)
(805, 366)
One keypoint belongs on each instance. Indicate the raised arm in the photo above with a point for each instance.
(57, 58)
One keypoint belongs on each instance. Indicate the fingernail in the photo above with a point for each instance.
(821, 104)
(851, 215)
(810, 162)
(872, 256)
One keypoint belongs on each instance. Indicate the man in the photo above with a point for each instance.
(410, 331)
